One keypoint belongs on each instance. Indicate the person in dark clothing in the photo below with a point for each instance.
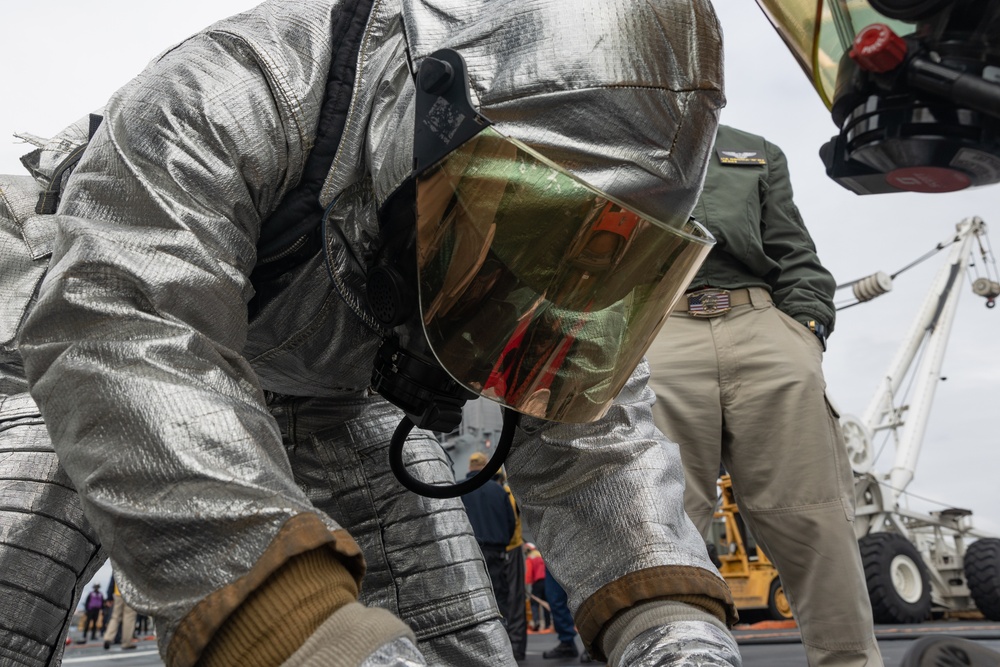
(92, 608)
(493, 522)
(106, 611)
(516, 611)
(562, 619)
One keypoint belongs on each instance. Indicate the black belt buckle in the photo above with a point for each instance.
(708, 303)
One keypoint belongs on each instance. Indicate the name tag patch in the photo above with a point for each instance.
(755, 158)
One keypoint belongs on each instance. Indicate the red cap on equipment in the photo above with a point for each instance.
(878, 49)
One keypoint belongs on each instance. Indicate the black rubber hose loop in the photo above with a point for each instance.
(510, 421)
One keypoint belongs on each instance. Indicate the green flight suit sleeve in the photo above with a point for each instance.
(801, 286)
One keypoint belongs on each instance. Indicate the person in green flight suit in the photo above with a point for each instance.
(738, 376)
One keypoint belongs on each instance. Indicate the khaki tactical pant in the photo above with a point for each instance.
(746, 388)
(123, 615)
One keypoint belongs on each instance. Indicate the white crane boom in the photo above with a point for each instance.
(927, 340)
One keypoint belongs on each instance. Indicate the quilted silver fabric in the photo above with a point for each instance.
(156, 387)
(682, 644)
(48, 550)
(564, 475)
(399, 653)
(423, 561)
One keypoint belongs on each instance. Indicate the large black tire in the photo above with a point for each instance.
(982, 572)
(898, 584)
(777, 602)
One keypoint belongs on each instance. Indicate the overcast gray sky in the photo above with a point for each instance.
(62, 59)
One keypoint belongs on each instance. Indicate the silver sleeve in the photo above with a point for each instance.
(605, 500)
(48, 551)
(134, 347)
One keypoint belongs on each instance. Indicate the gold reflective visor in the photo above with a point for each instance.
(537, 290)
(820, 32)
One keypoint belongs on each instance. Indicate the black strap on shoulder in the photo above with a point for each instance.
(48, 199)
(292, 233)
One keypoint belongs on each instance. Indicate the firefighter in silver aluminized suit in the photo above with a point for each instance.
(211, 401)
(48, 550)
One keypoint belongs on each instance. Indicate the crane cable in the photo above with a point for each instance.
(874, 285)
(985, 282)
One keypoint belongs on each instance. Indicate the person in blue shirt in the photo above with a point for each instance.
(493, 522)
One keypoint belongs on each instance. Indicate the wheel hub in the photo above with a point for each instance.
(906, 579)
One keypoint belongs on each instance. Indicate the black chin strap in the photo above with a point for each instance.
(510, 421)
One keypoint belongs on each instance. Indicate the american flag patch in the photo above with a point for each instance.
(708, 303)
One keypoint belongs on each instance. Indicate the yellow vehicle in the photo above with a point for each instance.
(745, 567)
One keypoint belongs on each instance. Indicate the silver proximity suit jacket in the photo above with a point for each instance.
(209, 447)
(48, 550)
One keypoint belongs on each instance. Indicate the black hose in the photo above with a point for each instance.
(510, 421)
(961, 88)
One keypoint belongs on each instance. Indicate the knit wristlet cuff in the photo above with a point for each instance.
(281, 615)
(349, 637)
(642, 617)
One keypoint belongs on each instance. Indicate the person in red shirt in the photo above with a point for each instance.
(534, 579)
